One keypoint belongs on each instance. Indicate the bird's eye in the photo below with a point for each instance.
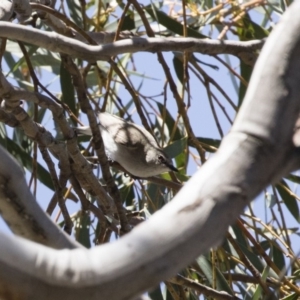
(161, 159)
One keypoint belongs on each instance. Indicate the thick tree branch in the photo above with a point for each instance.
(19, 208)
(59, 43)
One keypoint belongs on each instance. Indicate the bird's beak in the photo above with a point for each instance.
(172, 168)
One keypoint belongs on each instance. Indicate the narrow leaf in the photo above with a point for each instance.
(67, 88)
(206, 267)
(289, 200)
(25, 160)
(170, 23)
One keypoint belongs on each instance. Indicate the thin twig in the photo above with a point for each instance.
(202, 289)
(248, 264)
(180, 104)
(98, 142)
(265, 256)
(61, 202)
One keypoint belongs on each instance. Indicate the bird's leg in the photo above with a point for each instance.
(116, 165)
(131, 176)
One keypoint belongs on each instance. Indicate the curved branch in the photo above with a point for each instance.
(258, 151)
(59, 43)
(20, 209)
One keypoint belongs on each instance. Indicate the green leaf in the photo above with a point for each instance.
(25, 160)
(112, 26)
(3, 135)
(239, 236)
(270, 200)
(45, 60)
(293, 178)
(259, 291)
(21, 61)
(289, 200)
(126, 189)
(128, 22)
(249, 30)
(206, 267)
(155, 197)
(244, 291)
(75, 11)
(156, 294)
(256, 261)
(208, 144)
(246, 72)
(176, 148)
(67, 88)
(82, 229)
(170, 23)
(9, 59)
(178, 66)
(169, 295)
(169, 121)
(278, 257)
(179, 151)
(293, 296)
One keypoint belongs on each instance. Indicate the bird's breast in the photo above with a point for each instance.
(110, 145)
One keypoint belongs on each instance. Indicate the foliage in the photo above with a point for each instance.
(189, 102)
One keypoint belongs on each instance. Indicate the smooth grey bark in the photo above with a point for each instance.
(60, 43)
(258, 151)
(21, 211)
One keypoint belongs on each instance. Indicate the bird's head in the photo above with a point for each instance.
(158, 160)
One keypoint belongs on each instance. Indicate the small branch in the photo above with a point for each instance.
(12, 98)
(133, 93)
(87, 205)
(249, 265)
(267, 259)
(58, 191)
(182, 110)
(52, 204)
(9, 119)
(250, 279)
(155, 179)
(202, 289)
(99, 146)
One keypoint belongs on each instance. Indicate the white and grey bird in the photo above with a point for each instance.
(132, 146)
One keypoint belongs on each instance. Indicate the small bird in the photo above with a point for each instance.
(132, 146)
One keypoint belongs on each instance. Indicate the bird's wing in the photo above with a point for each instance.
(125, 133)
(83, 130)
